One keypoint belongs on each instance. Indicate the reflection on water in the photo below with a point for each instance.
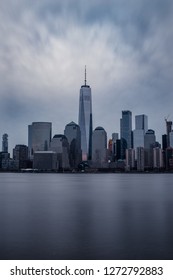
(86, 216)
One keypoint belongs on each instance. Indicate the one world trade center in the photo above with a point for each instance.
(85, 120)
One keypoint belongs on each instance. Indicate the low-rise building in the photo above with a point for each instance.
(45, 160)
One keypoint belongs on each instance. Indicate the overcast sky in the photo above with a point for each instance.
(127, 46)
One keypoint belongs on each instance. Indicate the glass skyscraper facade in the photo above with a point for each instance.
(5, 143)
(39, 137)
(85, 120)
(141, 126)
(73, 134)
(149, 144)
(168, 130)
(138, 138)
(141, 122)
(126, 132)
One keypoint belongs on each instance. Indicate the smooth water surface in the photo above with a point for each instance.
(86, 216)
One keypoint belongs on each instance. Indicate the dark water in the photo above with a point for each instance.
(86, 216)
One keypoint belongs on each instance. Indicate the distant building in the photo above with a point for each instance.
(141, 122)
(114, 148)
(140, 158)
(85, 120)
(6, 163)
(20, 155)
(138, 139)
(4, 159)
(110, 148)
(168, 130)
(118, 150)
(99, 149)
(169, 158)
(171, 139)
(141, 126)
(130, 159)
(164, 142)
(60, 145)
(126, 132)
(120, 165)
(5, 143)
(39, 137)
(157, 158)
(45, 160)
(164, 147)
(73, 134)
(149, 144)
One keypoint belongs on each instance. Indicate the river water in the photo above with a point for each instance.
(86, 216)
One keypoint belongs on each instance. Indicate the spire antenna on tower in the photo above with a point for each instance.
(85, 75)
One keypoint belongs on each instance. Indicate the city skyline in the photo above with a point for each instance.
(127, 50)
(127, 132)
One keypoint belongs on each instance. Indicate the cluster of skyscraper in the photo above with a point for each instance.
(80, 147)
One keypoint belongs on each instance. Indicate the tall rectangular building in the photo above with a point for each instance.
(138, 139)
(20, 155)
(130, 159)
(141, 122)
(168, 131)
(60, 145)
(171, 139)
(149, 144)
(114, 140)
(5, 143)
(85, 120)
(99, 149)
(141, 126)
(126, 132)
(73, 134)
(157, 158)
(140, 158)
